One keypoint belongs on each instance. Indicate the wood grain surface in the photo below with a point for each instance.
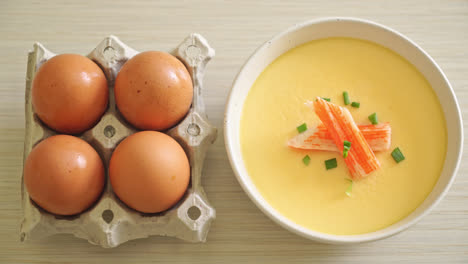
(241, 233)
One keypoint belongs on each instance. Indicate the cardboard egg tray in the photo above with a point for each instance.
(109, 222)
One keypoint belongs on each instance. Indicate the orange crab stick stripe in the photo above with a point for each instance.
(377, 136)
(361, 160)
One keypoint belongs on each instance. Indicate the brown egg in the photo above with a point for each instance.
(64, 175)
(70, 93)
(153, 90)
(149, 171)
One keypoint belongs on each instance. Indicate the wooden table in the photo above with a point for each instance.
(241, 233)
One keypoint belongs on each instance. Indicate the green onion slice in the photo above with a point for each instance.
(347, 144)
(346, 148)
(326, 99)
(306, 160)
(331, 163)
(302, 128)
(350, 187)
(356, 104)
(346, 99)
(397, 155)
(373, 119)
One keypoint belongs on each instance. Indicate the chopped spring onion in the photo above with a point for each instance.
(347, 144)
(345, 153)
(302, 128)
(355, 104)
(346, 148)
(347, 101)
(326, 99)
(373, 119)
(397, 155)
(306, 160)
(331, 163)
(350, 187)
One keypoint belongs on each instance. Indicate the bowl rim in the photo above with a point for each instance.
(277, 217)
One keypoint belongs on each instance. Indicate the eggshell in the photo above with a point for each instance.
(149, 171)
(70, 93)
(64, 175)
(109, 222)
(153, 90)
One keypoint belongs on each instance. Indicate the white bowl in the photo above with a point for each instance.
(361, 29)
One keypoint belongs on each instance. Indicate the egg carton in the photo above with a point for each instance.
(109, 222)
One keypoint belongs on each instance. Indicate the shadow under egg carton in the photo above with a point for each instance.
(109, 222)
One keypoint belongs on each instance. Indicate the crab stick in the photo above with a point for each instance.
(377, 136)
(361, 160)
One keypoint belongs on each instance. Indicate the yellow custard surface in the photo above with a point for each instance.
(383, 82)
